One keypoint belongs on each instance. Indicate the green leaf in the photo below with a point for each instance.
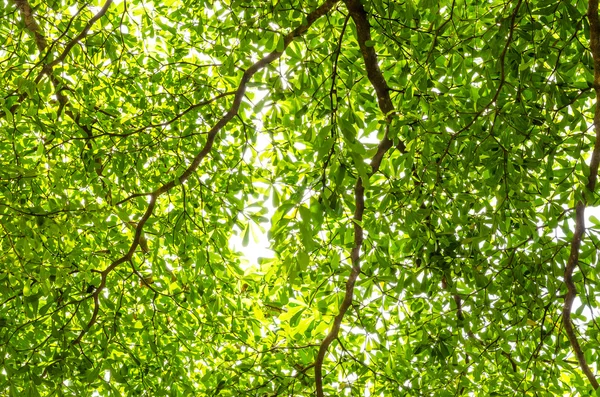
(303, 260)
(335, 261)
(280, 44)
(189, 128)
(246, 238)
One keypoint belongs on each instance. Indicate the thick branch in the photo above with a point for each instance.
(580, 208)
(363, 32)
(595, 48)
(30, 23)
(212, 134)
(572, 293)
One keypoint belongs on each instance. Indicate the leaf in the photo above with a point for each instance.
(361, 167)
(93, 374)
(246, 238)
(335, 261)
(280, 44)
(303, 260)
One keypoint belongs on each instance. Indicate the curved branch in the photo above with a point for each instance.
(41, 42)
(580, 208)
(212, 134)
(572, 293)
(81, 34)
(363, 32)
(501, 83)
(30, 23)
(595, 49)
(163, 124)
(180, 115)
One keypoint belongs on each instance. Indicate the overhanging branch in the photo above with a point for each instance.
(212, 134)
(81, 34)
(363, 32)
(580, 208)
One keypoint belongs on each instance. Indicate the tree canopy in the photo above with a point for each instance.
(421, 169)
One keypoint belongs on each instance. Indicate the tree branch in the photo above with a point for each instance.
(31, 24)
(41, 42)
(81, 35)
(580, 208)
(212, 134)
(595, 49)
(363, 32)
(572, 293)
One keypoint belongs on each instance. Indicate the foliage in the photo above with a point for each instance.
(423, 161)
